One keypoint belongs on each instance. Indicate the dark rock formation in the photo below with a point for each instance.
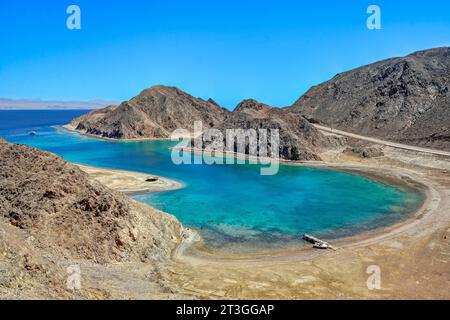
(158, 111)
(402, 99)
(154, 113)
(299, 140)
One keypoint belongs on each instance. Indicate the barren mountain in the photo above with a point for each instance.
(158, 111)
(154, 113)
(402, 99)
(299, 140)
(52, 214)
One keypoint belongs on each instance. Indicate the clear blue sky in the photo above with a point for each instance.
(229, 50)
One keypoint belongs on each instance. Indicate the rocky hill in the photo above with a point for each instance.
(402, 99)
(299, 140)
(158, 111)
(51, 212)
(154, 113)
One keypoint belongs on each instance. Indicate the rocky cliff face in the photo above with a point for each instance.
(402, 99)
(154, 113)
(53, 215)
(158, 111)
(74, 216)
(299, 140)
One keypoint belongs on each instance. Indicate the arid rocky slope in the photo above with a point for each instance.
(53, 214)
(299, 140)
(158, 111)
(154, 113)
(402, 99)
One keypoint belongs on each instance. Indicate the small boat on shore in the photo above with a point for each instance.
(321, 245)
(317, 243)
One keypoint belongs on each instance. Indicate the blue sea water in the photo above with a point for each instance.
(232, 206)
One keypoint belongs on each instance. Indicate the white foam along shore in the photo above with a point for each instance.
(71, 128)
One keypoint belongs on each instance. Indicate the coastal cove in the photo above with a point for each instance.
(225, 158)
(263, 213)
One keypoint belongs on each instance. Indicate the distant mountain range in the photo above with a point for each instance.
(401, 99)
(27, 104)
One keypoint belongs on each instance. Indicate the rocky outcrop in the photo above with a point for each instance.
(53, 215)
(72, 215)
(402, 99)
(154, 113)
(158, 111)
(299, 140)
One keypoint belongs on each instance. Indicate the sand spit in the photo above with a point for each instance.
(130, 182)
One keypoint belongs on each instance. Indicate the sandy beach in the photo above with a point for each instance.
(129, 182)
(413, 255)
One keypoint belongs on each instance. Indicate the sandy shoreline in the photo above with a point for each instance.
(71, 128)
(413, 254)
(199, 250)
(131, 183)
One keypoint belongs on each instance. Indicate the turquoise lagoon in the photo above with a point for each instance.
(232, 206)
